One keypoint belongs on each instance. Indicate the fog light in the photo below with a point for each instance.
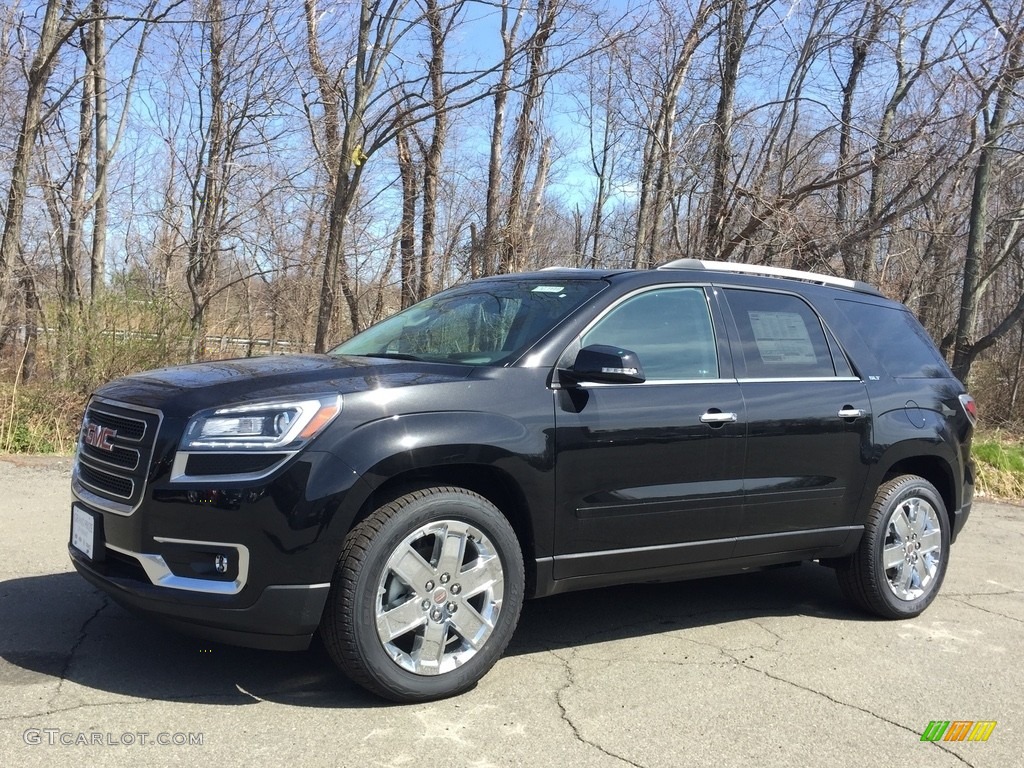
(220, 562)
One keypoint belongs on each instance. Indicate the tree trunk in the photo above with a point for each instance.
(78, 205)
(965, 350)
(407, 230)
(657, 156)
(432, 158)
(204, 243)
(487, 259)
(863, 37)
(540, 181)
(732, 44)
(98, 257)
(524, 137)
(376, 39)
(38, 75)
(603, 164)
(33, 318)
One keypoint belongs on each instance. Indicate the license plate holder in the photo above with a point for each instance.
(84, 529)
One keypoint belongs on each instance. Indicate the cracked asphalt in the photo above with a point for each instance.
(762, 669)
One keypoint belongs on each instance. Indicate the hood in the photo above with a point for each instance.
(226, 382)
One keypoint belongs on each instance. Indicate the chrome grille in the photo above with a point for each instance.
(129, 429)
(115, 448)
(106, 482)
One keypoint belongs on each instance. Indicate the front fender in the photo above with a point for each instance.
(421, 444)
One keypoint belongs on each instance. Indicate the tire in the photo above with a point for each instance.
(899, 566)
(426, 595)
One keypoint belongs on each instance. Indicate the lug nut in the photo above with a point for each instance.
(445, 578)
(452, 607)
(436, 614)
(456, 588)
(425, 605)
(429, 586)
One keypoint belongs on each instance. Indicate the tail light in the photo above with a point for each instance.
(970, 408)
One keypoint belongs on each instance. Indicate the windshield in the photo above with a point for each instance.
(490, 322)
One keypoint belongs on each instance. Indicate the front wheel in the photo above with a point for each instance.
(426, 595)
(899, 566)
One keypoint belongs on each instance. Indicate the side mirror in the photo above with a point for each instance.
(606, 364)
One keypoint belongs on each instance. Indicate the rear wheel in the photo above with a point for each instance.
(899, 566)
(426, 595)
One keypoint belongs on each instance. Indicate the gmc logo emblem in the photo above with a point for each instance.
(99, 437)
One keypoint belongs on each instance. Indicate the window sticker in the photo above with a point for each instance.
(549, 289)
(782, 338)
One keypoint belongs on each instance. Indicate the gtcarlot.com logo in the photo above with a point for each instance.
(958, 730)
(57, 737)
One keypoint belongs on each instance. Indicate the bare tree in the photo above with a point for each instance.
(43, 62)
(865, 35)
(606, 136)
(525, 135)
(237, 87)
(733, 36)
(407, 229)
(999, 97)
(888, 140)
(380, 28)
(678, 40)
(440, 20)
(485, 253)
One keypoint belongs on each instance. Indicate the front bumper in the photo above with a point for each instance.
(291, 611)
(242, 563)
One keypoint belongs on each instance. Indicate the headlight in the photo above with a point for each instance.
(272, 425)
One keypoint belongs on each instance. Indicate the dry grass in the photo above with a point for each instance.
(999, 458)
(39, 419)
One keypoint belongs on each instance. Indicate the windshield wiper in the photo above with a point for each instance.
(392, 356)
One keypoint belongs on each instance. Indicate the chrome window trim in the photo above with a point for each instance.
(676, 382)
(797, 379)
(654, 383)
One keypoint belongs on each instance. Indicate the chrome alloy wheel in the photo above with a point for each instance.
(912, 553)
(439, 597)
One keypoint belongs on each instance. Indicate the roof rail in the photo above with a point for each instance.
(758, 269)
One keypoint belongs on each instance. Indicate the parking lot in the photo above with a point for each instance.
(761, 669)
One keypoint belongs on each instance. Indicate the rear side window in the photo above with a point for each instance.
(901, 345)
(780, 336)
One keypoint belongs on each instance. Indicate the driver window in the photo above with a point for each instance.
(669, 329)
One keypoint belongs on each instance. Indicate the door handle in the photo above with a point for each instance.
(717, 417)
(852, 413)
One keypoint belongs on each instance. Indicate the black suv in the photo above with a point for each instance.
(521, 436)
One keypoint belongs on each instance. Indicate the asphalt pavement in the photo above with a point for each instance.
(760, 669)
